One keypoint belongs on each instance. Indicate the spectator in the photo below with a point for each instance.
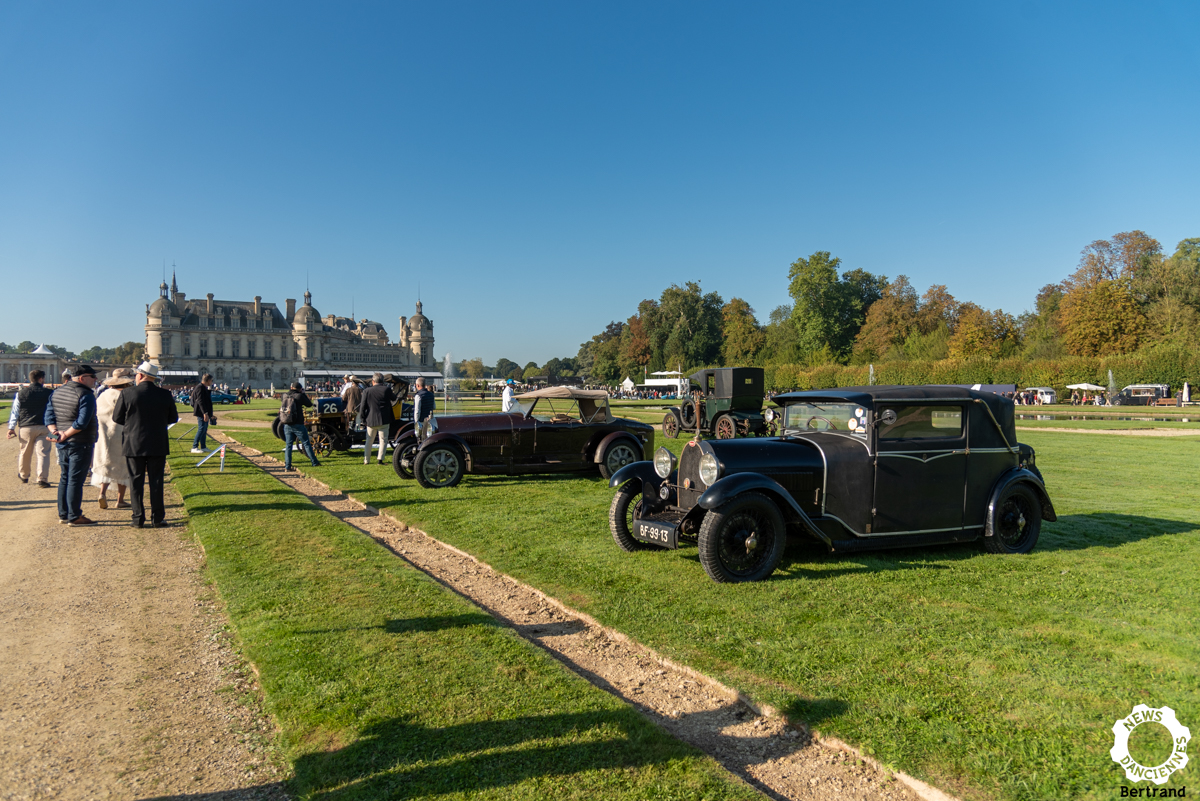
(376, 411)
(508, 402)
(352, 394)
(147, 411)
(73, 405)
(291, 416)
(423, 403)
(27, 421)
(108, 463)
(201, 400)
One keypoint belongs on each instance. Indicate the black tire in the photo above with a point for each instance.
(619, 453)
(742, 539)
(276, 428)
(620, 516)
(724, 427)
(402, 453)
(670, 426)
(1017, 523)
(440, 467)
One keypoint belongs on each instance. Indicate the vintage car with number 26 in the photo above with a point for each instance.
(557, 430)
(855, 468)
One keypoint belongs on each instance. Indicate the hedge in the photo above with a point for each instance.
(1170, 366)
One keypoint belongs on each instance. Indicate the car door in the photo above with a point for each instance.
(920, 468)
(561, 436)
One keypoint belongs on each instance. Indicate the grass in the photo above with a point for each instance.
(989, 676)
(386, 685)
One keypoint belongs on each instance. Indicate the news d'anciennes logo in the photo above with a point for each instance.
(1180, 735)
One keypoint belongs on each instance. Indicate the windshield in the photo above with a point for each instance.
(847, 418)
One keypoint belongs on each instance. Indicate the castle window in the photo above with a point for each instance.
(237, 350)
(267, 322)
(204, 348)
(187, 346)
(250, 350)
(220, 372)
(267, 349)
(220, 348)
(267, 373)
(166, 344)
(283, 374)
(252, 374)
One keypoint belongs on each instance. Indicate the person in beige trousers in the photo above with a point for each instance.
(27, 422)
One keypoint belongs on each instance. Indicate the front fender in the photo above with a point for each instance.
(447, 437)
(641, 471)
(405, 435)
(726, 488)
(1017, 475)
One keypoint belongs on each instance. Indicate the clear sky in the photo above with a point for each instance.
(539, 168)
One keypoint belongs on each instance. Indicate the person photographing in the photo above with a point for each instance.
(291, 416)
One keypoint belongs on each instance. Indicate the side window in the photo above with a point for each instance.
(923, 422)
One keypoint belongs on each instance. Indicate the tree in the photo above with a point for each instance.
(473, 368)
(982, 333)
(829, 310)
(688, 326)
(598, 357)
(505, 368)
(781, 342)
(889, 322)
(1041, 330)
(636, 348)
(1101, 319)
(742, 335)
(26, 347)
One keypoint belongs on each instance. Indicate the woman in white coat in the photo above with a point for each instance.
(108, 462)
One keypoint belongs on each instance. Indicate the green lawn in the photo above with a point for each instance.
(386, 685)
(990, 676)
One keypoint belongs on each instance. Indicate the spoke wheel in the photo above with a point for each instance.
(742, 539)
(403, 458)
(439, 467)
(321, 443)
(625, 504)
(616, 456)
(1017, 522)
(725, 428)
(670, 426)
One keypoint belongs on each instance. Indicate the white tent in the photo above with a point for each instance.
(628, 384)
(1088, 387)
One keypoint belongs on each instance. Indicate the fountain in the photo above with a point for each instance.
(1112, 388)
(447, 369)
(871, 381)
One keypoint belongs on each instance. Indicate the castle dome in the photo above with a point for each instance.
(418, 320)
(306, 313)
(163, 308)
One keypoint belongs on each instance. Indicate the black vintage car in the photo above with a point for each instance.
(855, 468)
(558, 429)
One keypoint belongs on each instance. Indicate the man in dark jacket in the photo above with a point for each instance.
(203, 412)
(377, 416)
(146, 410)
(28, 423)
(73, 405)
(423, 403)
(291, 418)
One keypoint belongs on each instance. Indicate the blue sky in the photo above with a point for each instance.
(539, 168)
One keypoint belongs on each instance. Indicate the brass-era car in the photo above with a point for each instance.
(559, 429)
(332, 429)
(726, 402)
(855, 468)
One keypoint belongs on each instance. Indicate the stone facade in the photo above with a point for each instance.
(257, 344)
(16, 367)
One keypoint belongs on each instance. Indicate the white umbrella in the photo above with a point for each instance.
(1088, 387)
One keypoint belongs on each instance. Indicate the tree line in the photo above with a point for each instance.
(1124, 295)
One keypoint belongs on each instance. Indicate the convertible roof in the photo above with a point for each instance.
(565, 392)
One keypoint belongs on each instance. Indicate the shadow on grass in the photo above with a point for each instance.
(432, 623)
(1106, 530)
(400, 759)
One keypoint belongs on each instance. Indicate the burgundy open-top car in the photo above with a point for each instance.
(559, 429)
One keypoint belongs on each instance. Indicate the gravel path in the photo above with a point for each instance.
(117, 679)
(783, 760)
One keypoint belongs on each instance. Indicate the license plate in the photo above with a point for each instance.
(655, 533)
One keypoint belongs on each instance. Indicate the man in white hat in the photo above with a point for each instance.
(146, 410)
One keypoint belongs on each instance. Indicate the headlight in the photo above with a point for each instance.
(709, 469)
(769, 415)
(664, 462)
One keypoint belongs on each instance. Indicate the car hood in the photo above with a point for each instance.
(456, 423)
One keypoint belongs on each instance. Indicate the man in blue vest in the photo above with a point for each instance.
(74, 405)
